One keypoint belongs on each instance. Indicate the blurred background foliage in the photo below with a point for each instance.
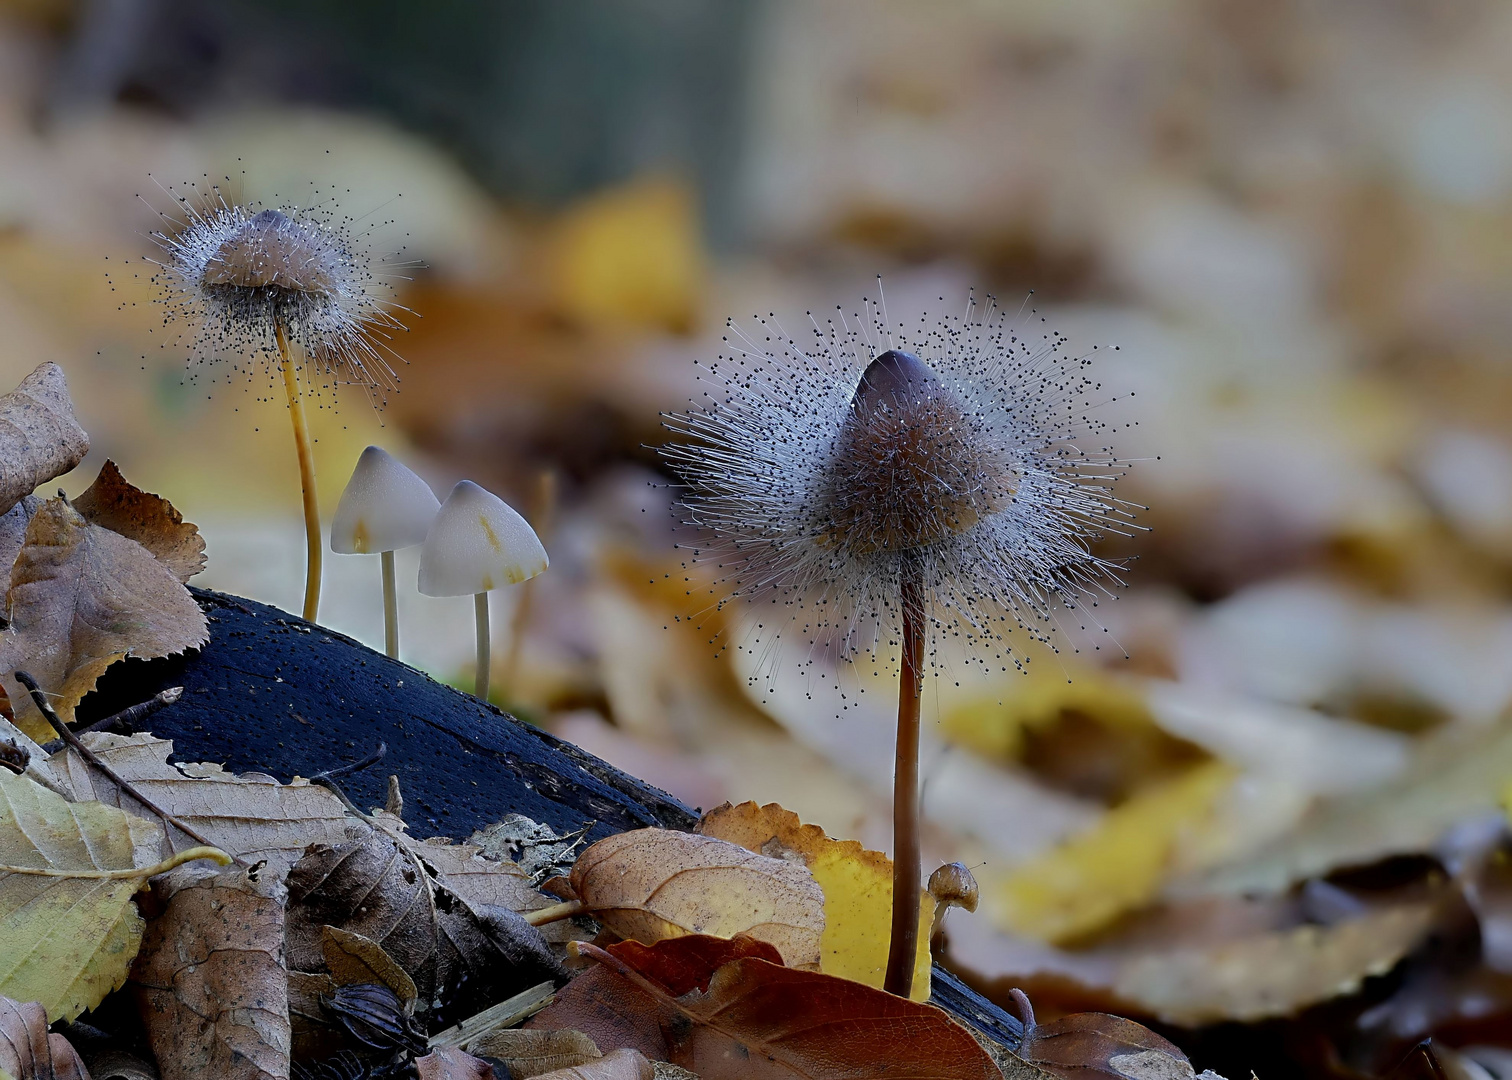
(1277, 826)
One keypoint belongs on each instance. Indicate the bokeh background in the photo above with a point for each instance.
(1277, 827)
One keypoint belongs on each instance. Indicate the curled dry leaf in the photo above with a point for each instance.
(452, 1065)
(113, 503)
(857, 886)
(82, 597)
(352, 958)
(528, 1052)
(68, 940)
(370, 886)
(617, 1065)
(39, 437)
(210, 980)
(650, 884)
(28, 1051)
(1273, 974)
(252, 816)
(1085, 1045)
(759, 1019)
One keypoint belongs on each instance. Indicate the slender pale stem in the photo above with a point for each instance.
(907, 887)
(390, 607)
(480, 602)
(306, 473)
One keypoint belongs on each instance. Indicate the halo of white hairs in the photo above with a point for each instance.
(234, 272)
(998, 523)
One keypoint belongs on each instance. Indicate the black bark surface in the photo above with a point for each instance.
(272, 693)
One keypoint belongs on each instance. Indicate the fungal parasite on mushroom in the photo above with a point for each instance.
(295, 288)
(875, 491)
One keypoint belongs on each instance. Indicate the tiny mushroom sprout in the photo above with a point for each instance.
(475, 544)
(384, 507)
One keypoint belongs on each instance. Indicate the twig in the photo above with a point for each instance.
(357, 766)
(128, 718)
(92, 758)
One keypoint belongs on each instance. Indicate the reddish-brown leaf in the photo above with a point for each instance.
(452, 1064)
(682, 965)
(1089, 1044)
(28, 1052)
(760, 1020)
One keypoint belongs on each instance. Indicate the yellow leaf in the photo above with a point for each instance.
(651, 884)
(630, 255)
(67, 875)
(1117, 865)
(857, 886)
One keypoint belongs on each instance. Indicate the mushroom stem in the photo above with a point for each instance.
(306, 473)
(907, 887)
(390, 607)
(480, 603)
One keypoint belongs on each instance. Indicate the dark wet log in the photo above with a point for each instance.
(272, 693)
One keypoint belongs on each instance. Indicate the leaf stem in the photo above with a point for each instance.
(907, 887)
(214, 854)
(306, 472)
(554, 913)
(390, 607)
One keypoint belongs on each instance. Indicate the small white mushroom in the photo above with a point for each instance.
(384, 507)
(476, 544)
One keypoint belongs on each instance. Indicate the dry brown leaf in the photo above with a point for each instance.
(617, 1065)
(81, 598)
(528, 1052)
(210, 979)
(650, 884)
(252, 816)
(370, 886)
(482, 883)
(39, 437)
(760, 1020)
(352, 958)
(28, 1051)
(13, 525)
(1272, 974)
(1092, 1044)
(449, 1064)
(113, 503)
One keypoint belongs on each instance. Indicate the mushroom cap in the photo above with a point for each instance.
(477, 543)
(384, 507)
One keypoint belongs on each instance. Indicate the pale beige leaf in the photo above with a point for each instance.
(618, 1065)
(530, 1052)
(39, 437)
(650, 884)
(252, 816)
(113, 503)
(1273, 974)
(81, 598)
(28, 1052)
(210, 980)
(68, 940)
(352, 958)
(452, 1065)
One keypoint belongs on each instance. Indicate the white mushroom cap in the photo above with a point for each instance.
(384, 507)
(477, 543)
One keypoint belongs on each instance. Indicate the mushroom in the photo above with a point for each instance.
(475, 544)
(384, 507)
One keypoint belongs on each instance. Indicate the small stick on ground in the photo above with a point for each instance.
(129, 717)
(115, 778)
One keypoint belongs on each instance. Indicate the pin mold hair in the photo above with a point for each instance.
(232, 273)
(967, 456)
